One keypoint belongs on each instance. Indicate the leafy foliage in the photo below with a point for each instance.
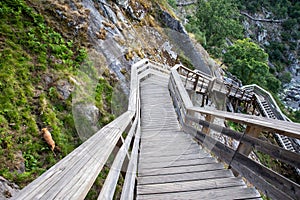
(172, 3)
(218, 20)
(249, 62)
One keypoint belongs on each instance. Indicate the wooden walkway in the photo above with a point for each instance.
(171, 164)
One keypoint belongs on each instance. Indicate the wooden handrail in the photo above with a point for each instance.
(289, 129)
(271, 183)
(74, 175)
(276, 110)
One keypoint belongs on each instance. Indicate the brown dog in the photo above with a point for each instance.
(47, 136)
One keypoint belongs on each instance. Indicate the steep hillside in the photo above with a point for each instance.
(65, 66)
(36, 66)
(274, 26)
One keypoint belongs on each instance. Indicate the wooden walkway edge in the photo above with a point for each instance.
(171, 164)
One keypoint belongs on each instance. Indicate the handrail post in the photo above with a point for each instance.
(252, 131)
(196, 82)
(209, 119)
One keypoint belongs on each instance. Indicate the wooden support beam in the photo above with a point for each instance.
(210, 119)
(196, 82)
(229, 90)
(253, 131)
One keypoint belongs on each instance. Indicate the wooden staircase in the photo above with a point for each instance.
(159, 147)
(171, 164)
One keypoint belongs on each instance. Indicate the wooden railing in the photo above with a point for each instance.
(205, 85)
(268, 97)
(198, 81)
(74, 175)
(199, 122)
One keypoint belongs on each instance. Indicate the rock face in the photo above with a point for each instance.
(64, 88)
(123, 3)
(7, 189)
(172, 23)
(265, 33)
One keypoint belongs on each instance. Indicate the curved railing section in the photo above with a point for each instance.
(198, 122)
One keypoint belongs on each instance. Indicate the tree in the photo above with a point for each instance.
(249, 63)
(218, 20)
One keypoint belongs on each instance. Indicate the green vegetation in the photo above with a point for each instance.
(185, 61)
(103, 98)
(215, 21)
(33, 59)
(217, 24)
(249, 62)
(172, 3)
(282, 9)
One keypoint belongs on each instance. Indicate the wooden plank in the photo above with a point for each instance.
(129, 182)
(109, 186)
(184, 177)
(260, 182)
(209, 119)
(168, 146)
(283, 184)
(131, 173)
(189, 186)
(150, 72)
(216, 194)
(182, 169)
(101, 143)
(154, 68)
(183, 93)
(176, 163)
(172, 158)
(133, 90)
(169, 153)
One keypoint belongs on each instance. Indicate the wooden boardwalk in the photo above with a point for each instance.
(159, 160)
(171, 164)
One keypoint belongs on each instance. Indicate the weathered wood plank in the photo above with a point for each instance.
(201, 154)
(283, 184)
(176, 163)
(109, 186)
(189, 186)
(129, 182)
(216, 194)
(182, 169)
(169, 153)
(97, 148)
(184, 177)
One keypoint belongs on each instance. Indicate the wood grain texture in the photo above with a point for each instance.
(77, 171)
(170, 161)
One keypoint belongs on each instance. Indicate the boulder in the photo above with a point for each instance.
(64, 88)
(123, 3)
(7, 188)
